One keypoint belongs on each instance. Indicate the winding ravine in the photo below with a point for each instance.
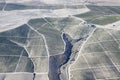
(55, 62)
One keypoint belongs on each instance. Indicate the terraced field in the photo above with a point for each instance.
(101, 15)
(99, 57)
(23, 50)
